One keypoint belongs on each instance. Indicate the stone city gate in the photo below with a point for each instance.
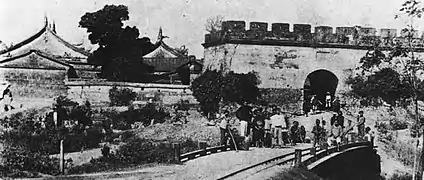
(317, 62)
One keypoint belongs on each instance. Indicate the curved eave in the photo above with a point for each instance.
(26, 41)
(44, 55)
(69, 45)
(271, 42)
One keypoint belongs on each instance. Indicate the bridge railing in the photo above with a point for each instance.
(310, 155)
(203, 151)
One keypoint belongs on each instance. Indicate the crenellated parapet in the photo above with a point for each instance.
(302, 34)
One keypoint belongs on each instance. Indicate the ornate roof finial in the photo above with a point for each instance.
(54, 27)
(160, 34)
(46, 21)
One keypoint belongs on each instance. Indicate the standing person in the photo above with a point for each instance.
(244, 134)
(224, 127)
(258, 133)
(368, 136)
(335, 134)
(317, 132)
(336, 105)
(361, 124)
(328, 100)
(258, 127)
(324, 133)
(348, 132)
(314, 103)
(277, 123)
(333, 119)
(340, 119)
(302, 134)
(268, 135)
(294, 133)
(7, 98)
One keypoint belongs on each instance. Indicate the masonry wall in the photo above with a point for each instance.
(284, 58)
(282, 66)
(97, 92)
(39, 83)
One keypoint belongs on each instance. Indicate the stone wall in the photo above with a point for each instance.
(284, 58)
(302, 33)
(282, 66)
(97, 92)
(39, 83)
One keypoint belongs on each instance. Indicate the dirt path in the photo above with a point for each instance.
(208, 167)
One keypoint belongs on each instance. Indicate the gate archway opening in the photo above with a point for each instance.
(319, 83)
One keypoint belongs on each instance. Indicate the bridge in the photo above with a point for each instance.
(259, 163)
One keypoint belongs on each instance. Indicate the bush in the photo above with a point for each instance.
(135, 152)
(121, 96)
(20, 162)
(403, 176)
(145, 115)
(396, 124)
(286, 98)
(212, 87)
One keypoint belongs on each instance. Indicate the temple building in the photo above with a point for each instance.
(39, 65)
(173, 65)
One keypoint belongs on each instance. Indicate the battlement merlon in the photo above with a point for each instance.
(302, 35)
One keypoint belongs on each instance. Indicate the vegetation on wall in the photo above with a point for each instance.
(213, 87)
(121, 96)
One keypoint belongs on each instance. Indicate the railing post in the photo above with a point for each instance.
(202, 146)
(177, 151)
(312, 151)
(297, 157)
(62, 158)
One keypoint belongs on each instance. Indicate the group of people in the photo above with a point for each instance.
(260, 127)
(269, 127)
(338, 133)
(314, 104)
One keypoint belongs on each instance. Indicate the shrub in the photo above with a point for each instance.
(396, 124)
(135, 152)
(121, 96)
(403, 176)
(20, 162)
(212, 87)
(145, 115)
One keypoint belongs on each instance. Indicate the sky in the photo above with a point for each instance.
(184, 20)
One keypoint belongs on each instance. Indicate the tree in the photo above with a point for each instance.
(395, 75)
(120, 49)
(214, 24)
(213, 87)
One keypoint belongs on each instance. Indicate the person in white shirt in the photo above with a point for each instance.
(278, 126)
(328, 100)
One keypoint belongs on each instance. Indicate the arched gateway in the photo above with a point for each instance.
(319, 83)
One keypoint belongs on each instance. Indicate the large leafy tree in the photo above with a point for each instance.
(213, 87)
(395, 75)
(120, 49)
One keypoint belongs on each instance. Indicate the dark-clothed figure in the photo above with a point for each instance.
(317, 132)
(336, 105)
(7, 98)
(258, 133)
(324, 133)
(294, 133)
(302, 134)
(361, 124)
(340, 119)
(333, 119)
